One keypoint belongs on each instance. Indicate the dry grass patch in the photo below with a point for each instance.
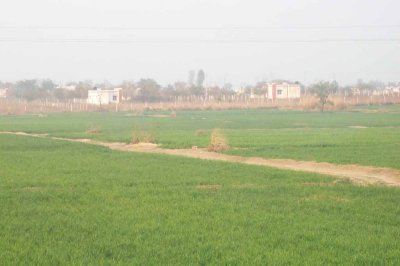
(200, 132)
(358, 127)
(159, 116)
(310, 106)
(320, 184)
(218, 142)
(94, 130)
(321, 197)
(32, 189)
(249, 186)
(340, 106)
(143, 134)
(209, 187)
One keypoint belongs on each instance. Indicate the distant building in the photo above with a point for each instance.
(283, 91)
(100, 96)
(392, 89)
(67, 87)
(3, 93)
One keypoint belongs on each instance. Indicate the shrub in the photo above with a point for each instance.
(218, 142)
(143, 134)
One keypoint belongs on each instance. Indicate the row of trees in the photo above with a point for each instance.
(149, 90)
(362, 87)
(33, 89)
(323, 89)
(143, 90)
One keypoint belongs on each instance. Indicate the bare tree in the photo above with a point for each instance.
(149, 90)
(322, 90)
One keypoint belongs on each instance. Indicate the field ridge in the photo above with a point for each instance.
(357, 173)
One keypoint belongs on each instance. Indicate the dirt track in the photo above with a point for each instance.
(357, 173)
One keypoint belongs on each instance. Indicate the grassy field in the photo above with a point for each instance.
(71, 203)
(366, 136)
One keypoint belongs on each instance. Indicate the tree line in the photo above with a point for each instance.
(148, 90)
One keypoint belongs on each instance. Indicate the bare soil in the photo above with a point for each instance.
(358, 127)
(356, 173)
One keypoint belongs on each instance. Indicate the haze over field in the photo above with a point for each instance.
(234, 41)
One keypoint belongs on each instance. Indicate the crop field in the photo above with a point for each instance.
(74, 203)
(365, 136)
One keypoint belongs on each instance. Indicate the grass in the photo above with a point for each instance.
(370, 146)
(328, 137)
(71, 203)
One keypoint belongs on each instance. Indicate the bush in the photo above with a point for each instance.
(218, 142)
(144, 134)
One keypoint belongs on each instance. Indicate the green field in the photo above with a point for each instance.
(64, 203)
(326, 137)
(70, 203)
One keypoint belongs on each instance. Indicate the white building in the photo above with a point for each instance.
(283, 91)
(67, 87)
(392, 89)
(3, 93)
(99, 96)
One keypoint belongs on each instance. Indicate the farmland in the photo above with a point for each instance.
(357, 137)
(72, 203)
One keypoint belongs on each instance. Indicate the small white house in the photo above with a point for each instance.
(283, 91)
(100, 96)
(393, 89)
(3, 93)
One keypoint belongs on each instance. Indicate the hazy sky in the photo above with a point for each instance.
(237, 41)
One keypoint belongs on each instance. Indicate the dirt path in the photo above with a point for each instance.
(357, 173)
